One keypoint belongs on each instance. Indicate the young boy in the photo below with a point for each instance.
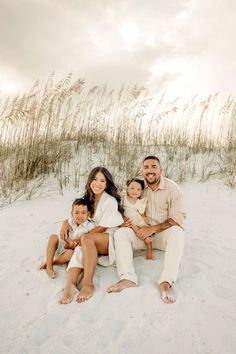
(64, 249)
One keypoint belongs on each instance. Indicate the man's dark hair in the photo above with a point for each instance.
(137, 180)
(152, 157)
(82, 201)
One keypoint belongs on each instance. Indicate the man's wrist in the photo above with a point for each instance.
(163, 226)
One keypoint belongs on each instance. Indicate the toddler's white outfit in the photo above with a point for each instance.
(135, 211)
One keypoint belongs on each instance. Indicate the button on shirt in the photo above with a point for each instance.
(164, 203)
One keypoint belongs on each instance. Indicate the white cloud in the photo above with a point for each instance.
(180, 46)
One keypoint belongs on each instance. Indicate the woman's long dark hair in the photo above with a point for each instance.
(110, 187)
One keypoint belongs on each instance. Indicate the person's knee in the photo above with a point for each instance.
(123, 233)
(86, 241)
(53, 239)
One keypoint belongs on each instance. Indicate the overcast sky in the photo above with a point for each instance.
(182, 47)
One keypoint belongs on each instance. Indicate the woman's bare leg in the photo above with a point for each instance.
(91, 246)
(71, 284)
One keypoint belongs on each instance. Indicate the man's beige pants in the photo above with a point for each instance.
(171, 241)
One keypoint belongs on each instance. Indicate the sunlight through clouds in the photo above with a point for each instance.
(184, 46)
(129, 33)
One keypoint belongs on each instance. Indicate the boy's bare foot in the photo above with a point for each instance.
(43, 266)
(85, 293)
(166, 293)
(68, 295)
(51, 273)
(121, 285)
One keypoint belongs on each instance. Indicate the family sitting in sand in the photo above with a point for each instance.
(105, 229)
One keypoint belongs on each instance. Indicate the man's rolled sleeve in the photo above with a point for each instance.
(176, 212)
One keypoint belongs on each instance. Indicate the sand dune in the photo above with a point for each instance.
(203, 320)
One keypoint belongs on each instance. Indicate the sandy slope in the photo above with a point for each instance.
(203, 320)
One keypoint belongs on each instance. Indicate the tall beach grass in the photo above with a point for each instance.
(65, 128)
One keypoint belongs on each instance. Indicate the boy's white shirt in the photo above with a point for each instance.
(79, 230)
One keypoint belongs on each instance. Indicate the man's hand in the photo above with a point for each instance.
(146, 231)
(136, 228)
(65, 230)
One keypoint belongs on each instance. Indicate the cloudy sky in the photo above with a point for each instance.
(182, 47)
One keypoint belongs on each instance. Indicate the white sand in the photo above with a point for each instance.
(203, 320)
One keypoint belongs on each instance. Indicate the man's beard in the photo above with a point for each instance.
(155, 180)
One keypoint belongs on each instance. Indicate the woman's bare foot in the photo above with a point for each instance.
(85, 293)
(166, 293)
(68, 295)
(121, 285)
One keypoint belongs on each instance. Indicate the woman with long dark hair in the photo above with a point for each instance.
(97, 245)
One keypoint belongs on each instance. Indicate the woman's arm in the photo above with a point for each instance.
(97, 230)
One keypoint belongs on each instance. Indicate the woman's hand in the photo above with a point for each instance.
(65, 230)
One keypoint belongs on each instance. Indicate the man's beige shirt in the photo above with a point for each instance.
(165, 202)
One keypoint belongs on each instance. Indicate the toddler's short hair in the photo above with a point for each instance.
(137, 180)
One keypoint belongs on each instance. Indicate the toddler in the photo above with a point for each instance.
(64, 249)
(134, 209)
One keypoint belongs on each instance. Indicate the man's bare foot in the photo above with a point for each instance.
(85, 293)
(68, 295)
(51, 273)
(166, 293)
(121, 285)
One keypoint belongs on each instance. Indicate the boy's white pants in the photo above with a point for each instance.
(171, 241)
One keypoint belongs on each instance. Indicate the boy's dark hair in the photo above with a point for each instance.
(82, 201)
(137, 180)
(152, 157)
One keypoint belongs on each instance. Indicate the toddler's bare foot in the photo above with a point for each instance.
(85, 293)
(166, 293)
(121, 285)
(68, 295)
(148, 242)
(51, 273)
(149, 255)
